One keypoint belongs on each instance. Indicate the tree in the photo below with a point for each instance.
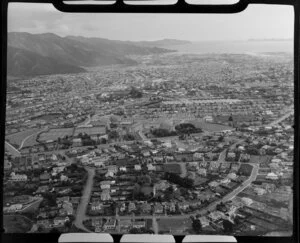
(113, 134)
(197, 226)
(134, 231)
(54, 230)
(228, 226)
(135, 93)
(68, 224)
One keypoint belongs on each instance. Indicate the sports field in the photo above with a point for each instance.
(211, 127)
(53, 134)
(18, 137)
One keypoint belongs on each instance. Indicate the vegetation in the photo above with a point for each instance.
(160, 132)
(187, 128)
(184, 182)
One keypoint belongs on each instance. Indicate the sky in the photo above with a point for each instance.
(256, 22)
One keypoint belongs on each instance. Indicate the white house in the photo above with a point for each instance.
(137, 167)
(18, 177)
(272, 176)
(151, 167)
(63, 178)
(247, 201)
(123, 168)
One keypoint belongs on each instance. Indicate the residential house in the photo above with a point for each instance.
(96, 206)
(125, 223)
(150, 167)
(45, 177)
(60, 221)
(183, 206)
(18, 177)
(137, 167)
(68, 207)
(158, 208)
(42, 189)
(112, 168)
(146, 208)
(131, 207)
(45, 223)
(139, 224)
(204, 221)
(110, 224)
(105, 185)
(105, 195)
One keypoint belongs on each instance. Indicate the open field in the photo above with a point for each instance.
(174, 225)
(48, 117)
(31, 141)
(211, 127)
(16, 224)
(18, 137)
(53, 134)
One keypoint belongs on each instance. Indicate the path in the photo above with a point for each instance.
(24, 140)
(12, 149)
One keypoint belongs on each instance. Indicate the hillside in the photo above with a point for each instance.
(38, 54)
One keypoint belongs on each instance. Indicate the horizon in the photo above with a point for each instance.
(256, 22)
(153, 40)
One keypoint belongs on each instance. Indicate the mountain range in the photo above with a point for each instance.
(43, 54)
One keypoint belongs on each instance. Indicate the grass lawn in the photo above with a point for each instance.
(16, 224)
(211, 127)
(174, 225)
(53, 134)
(18, 137)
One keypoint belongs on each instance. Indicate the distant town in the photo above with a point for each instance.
(175, 144)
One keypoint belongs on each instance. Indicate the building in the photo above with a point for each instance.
(131, 206)
(110, 224)
(105, 195)
(60, 221)
(137, 167)
(17, 177)
(139, 224)
(158, 208)
(96, 206)
(77, 142)
(172, 168)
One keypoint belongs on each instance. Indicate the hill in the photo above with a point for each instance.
(38, 54)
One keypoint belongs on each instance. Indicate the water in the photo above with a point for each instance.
(236, 47)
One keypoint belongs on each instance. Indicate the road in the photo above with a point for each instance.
(12, 149)
(289, 111)
(232, 194)
(154, 225)
(81, 210)
(222, 155)
(80, 216)
(281, 118)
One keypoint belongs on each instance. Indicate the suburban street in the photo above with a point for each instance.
(81, 210)
(12, 149)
